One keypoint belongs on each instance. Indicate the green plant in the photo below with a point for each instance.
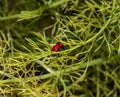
(88, 68)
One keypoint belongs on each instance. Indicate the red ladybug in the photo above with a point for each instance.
(57, 47)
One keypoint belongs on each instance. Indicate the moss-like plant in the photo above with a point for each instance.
(88, 67)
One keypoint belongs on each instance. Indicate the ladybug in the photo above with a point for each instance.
(58, 47)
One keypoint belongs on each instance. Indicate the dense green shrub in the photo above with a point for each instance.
(89, 67)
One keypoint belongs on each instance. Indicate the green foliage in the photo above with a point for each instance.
(89, 67)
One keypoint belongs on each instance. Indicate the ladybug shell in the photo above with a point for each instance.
(57, 47)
